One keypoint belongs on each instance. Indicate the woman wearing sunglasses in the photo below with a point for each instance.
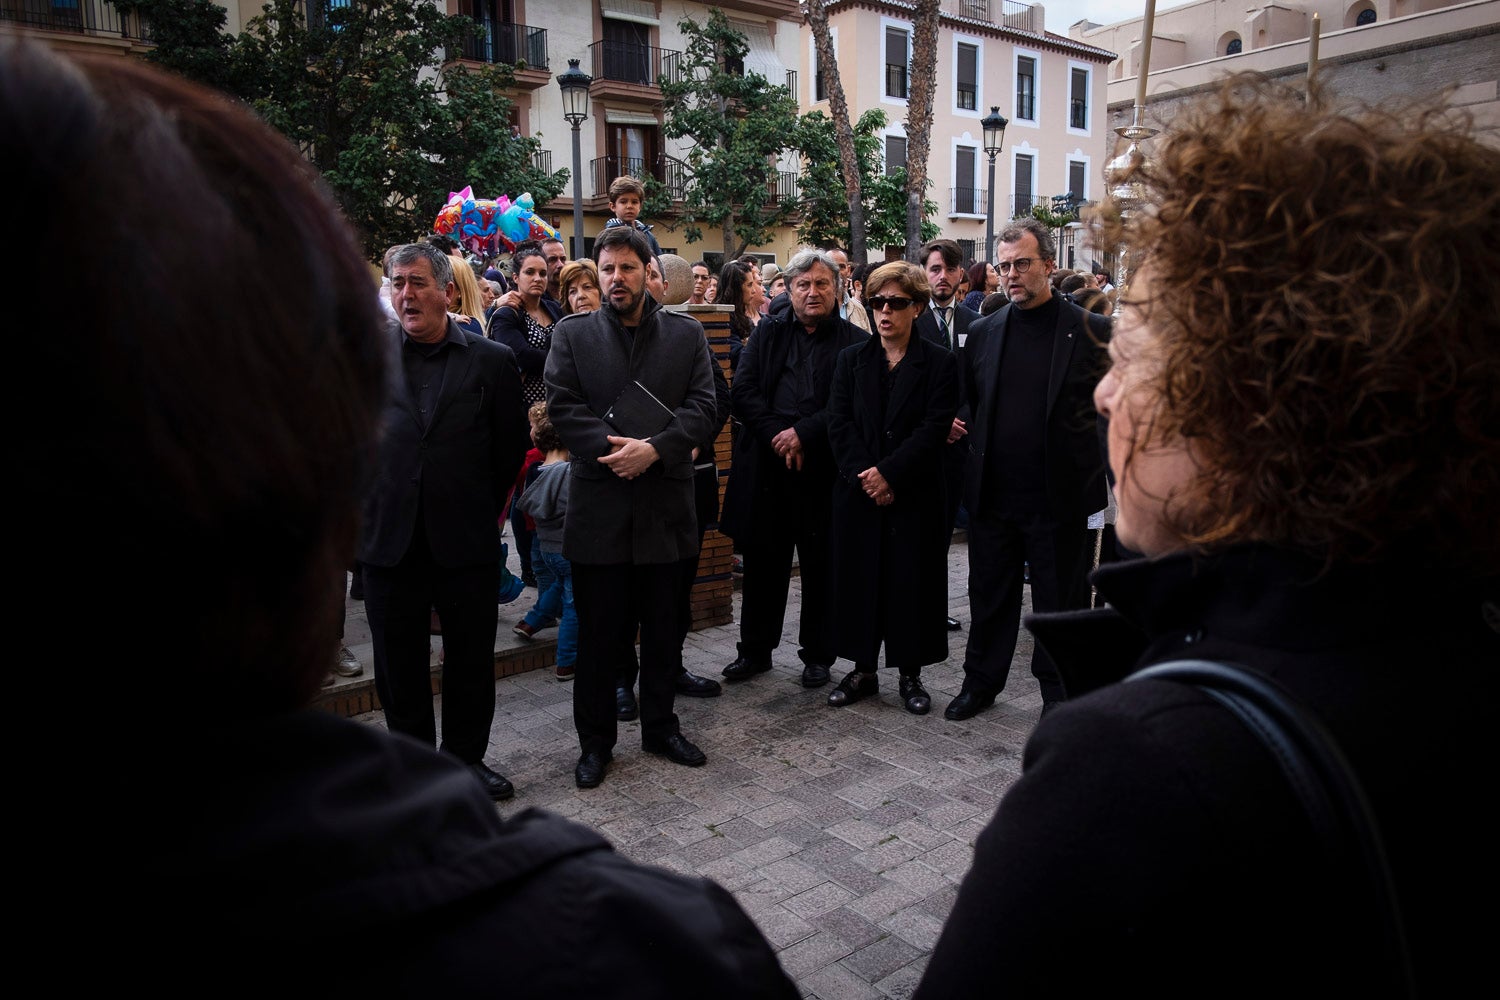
(891, 406)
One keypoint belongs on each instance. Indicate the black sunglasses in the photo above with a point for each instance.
(896, 302)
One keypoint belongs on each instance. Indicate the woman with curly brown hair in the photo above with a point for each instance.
(1305, 434)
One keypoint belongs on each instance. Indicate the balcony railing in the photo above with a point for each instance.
(968, 200)
(85, 17)
(895, 80)
(507, 43)
(1007, 13)
(1021, 205)
(629, 62)
(542, 160)
(667, 170)
(1078, 114)
(791, 83)
(783, 186)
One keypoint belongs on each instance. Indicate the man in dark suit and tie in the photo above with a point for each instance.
(1036, 462)
(453, 438)
(946, 322)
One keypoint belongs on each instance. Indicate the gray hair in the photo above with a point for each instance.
(442, 264)
(803, 260)
(1020, 227)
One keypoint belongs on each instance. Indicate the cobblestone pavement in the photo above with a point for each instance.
(843, 832)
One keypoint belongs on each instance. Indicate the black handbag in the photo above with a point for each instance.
(1322, 778)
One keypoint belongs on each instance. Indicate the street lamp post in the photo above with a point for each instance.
(575, 101)
(994, 134)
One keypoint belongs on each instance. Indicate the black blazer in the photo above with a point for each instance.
(1075, 455)
(458, 471)
(926, 327)
(508, 327)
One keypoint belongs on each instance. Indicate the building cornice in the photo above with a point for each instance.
(974, 26)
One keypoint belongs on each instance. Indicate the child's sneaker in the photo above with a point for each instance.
(564, 673)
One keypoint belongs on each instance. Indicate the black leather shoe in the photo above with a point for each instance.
(590, 769)
(676, 748)
(496, 785)
(815, 675)
(745, 667)
(852, 688)
(693, 686)
(627, 709)
(967, 705)
(918, 701)
(954, 625)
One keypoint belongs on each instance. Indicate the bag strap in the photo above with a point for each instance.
(1320, 775)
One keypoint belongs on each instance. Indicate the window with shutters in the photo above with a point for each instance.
(895, 153)
(1026, 88)
(897, 60)
(967, 97)
(1078, 98)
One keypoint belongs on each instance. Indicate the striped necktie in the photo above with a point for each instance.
(943, 325)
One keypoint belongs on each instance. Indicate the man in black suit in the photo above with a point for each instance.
(1036, 467)
(946, 321)
(779, 500)
(454, 436)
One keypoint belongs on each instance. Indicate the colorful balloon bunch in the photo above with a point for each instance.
(486, 226)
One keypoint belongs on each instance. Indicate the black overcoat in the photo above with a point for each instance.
(890, 565)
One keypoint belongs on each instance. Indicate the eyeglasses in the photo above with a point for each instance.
(896, 302)
(1021, 264)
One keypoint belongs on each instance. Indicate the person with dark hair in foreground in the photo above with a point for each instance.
(208, 832)
(1304, 426)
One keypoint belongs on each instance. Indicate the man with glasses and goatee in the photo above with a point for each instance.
(1036, 463)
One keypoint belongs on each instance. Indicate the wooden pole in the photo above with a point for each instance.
(1312, 47)
(1147, 30)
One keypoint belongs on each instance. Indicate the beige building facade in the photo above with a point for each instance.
(1377, 50)
(990, 53)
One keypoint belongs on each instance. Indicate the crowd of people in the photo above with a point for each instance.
(1299, 404)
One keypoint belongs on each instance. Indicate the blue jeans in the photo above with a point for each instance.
(554, 577)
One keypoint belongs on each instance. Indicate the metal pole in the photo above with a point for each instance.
(577, 195)
(989, 222)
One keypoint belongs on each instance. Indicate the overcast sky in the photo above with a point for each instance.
(1061, 13)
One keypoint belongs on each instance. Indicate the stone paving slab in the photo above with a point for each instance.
(844, 833)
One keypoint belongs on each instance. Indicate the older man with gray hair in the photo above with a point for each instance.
(779, 495)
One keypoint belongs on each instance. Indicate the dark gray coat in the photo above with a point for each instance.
(650, 519)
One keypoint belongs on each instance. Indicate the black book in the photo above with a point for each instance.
(636, 413)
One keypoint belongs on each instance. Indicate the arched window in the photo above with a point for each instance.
(1366, 16)
(1234, 47)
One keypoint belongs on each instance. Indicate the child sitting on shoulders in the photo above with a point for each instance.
(626, 196)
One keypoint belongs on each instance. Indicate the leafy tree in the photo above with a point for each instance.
(825, 210)
(890, 198)
(190, 38)
(919, 119)
(852, 158)
(738, 125)
(362, 90)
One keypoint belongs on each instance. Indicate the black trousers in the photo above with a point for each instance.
(399, 601)
(793, 518)
(614, 601)
(1060, 555)
(955, 461)
(706, 507)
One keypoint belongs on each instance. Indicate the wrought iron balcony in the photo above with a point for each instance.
(629, 62)
(507, 43)
(85, 17)
(1006, 13)
(667, 170)
(968, 200)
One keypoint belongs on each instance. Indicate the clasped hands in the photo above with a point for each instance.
(629, 457)
(876, 488)
(789, 446)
